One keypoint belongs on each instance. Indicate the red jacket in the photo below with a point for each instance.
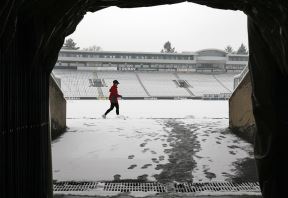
(113, 97)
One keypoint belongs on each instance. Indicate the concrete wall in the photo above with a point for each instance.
(241, 118)
(57, 104)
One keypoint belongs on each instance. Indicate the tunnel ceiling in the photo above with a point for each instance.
(43, 24)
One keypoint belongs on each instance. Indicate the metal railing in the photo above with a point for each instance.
(57, 80)
(221, 96)
(239, 77)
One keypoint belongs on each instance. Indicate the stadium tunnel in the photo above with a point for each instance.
(31, 35)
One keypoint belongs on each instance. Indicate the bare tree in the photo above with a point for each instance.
(93, 48)
(229, 49)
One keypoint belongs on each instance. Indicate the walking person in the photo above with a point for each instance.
(113, 97)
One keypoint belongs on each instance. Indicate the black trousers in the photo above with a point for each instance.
(112, 107)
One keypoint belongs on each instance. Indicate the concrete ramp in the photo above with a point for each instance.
(241, 118)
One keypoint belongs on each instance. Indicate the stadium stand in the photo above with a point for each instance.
(207, 73)
(226, 80)
(134, 84)
(129, 85)
(162, 84)
(203, 84)
(75, 84)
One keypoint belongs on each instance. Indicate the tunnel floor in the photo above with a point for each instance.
(163, 141)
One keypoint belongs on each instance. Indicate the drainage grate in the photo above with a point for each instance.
(185, 187)
(217, 187)
(134, 186)
(74, 186)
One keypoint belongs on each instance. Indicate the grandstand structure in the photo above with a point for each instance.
(205, 74)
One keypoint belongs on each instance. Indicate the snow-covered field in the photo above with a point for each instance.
(157, 140)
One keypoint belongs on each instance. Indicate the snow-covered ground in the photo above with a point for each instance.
(158, 140)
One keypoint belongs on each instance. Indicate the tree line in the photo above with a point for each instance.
(167, 47)
(241, 50)
(70, 44)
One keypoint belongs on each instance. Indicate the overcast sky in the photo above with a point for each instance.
(189, 27)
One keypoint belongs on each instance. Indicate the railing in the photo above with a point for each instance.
(141, 83)
(239, 77)
(221, 96)
(57, 80)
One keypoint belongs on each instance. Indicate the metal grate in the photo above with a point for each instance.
(134, 186)
(74, 186)
(185, 187)
(217, 187)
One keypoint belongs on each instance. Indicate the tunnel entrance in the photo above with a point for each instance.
(30, 39)
(167, 146)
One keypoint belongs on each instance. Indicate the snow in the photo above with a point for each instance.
(146, 109)
(141, 142)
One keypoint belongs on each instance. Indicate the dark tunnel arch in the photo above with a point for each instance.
(31, 35)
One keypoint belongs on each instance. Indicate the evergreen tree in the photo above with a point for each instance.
(70, 44)
(242, 49)
(168, 48)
